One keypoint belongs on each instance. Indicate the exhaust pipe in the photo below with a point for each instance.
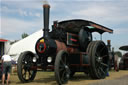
(46, 8)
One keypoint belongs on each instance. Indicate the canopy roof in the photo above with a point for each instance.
(125, 48)
(76, 24)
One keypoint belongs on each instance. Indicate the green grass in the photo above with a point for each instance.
(48, 78)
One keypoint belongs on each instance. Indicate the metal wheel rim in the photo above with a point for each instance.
(64, 71)
(27, 72)
(101, 60)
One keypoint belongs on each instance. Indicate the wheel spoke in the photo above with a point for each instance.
(30, 74)
(102, 49)
(103, 64)
(104, 56)
(97, 55)
(63, 75)
(98, 71)
(97, 65)
(28, 66)
(62, 62)
(24, 75)
(97, 60)
(22, 67)
(101, 70)
(61, 69)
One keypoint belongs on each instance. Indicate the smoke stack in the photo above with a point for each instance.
(46, 8)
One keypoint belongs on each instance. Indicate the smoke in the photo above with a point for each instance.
(45, 1)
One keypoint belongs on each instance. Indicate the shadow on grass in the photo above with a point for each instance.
(80, 77)
(51, 79)
(45, 80)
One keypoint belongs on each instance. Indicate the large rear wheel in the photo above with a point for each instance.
(62, 71)
(27, 66)
(98, 58)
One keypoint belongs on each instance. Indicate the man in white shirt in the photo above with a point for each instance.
(6, 60)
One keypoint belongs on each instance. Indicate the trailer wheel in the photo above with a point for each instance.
(26, 67)
(98, 58)
(62, 71)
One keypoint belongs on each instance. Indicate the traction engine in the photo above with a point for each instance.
(67, 49)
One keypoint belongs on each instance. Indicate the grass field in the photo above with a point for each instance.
(47, 78)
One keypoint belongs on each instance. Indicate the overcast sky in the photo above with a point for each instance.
(19, 16)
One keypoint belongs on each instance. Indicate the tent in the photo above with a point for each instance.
(26, 44)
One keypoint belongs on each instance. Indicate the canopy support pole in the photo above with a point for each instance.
(100, 36)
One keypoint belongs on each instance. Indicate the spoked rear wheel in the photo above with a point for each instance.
(62, 71)
(26, 67)
(98, 58)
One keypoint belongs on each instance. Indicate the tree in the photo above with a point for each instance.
(24, 35)
(118, 53)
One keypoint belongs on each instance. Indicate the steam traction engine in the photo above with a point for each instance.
(67, 49)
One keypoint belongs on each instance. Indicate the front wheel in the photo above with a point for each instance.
(62, 71)
(27, 66)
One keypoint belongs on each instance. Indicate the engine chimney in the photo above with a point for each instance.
(46, 8)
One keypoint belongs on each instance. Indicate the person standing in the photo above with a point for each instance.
(6, 63)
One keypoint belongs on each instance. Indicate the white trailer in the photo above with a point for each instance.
(26, 44)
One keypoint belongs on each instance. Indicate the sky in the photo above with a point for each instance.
(19, 16)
